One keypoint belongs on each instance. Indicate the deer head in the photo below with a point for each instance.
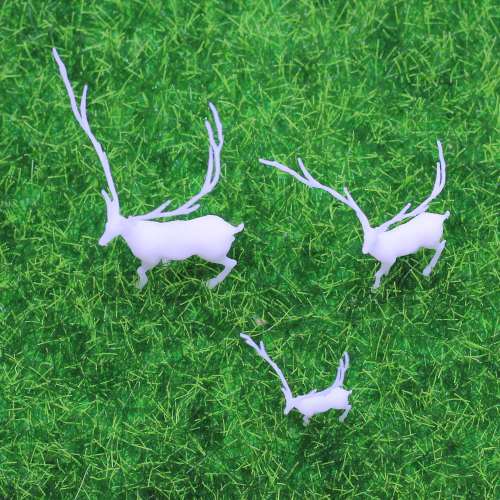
(115, 222)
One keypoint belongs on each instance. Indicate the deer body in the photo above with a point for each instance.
(333, 398)
(424, 230)
(210, 237)
(318, 402)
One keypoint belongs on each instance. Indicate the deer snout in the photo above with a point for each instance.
(106, 238)
(103, 242)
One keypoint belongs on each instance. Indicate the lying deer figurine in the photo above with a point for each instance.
(209, 237)
(423, 231)
(314, 402)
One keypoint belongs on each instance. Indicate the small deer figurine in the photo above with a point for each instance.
(313, 402)
(423, 231)
(209, 237)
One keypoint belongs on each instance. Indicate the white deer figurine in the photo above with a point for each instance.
(423, 231)
(333, 398)
(209, 237)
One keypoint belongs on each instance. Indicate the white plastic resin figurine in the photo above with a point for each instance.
(424, 231)
(333, 398)
(209, 237)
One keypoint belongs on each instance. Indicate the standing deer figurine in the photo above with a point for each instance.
(209, 237)
(423, 231)
(313, 402)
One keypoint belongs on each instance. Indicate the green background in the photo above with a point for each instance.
(111, 392)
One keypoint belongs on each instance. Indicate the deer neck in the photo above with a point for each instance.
(380, 244)
(129, 229)
(370, 238)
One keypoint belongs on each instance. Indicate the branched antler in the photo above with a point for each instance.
(423, 207)
(211, 178)
(261, 351)
(343, 366)
(311, 182)
(81, 116)
(308, 179)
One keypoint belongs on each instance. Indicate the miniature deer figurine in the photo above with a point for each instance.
(423, 231)
(209, 237)
(313, 402)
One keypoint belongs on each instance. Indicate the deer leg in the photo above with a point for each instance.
(344, 415)
(228, 265)
(384, 269)
(432, 263)
(141, 271)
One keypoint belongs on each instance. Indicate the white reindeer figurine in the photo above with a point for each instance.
(209, 237)
(423, 231)
(314, 402)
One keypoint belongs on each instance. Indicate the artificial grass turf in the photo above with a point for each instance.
(111, 392)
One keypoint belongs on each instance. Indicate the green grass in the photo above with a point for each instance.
(111, 392)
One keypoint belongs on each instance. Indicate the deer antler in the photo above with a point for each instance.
(423, 207)
(211, 178)
(308, 179)
(81, 116)
(311, 182)
(263, 354)
(343, 366)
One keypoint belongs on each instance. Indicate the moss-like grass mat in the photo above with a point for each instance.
(111, 392)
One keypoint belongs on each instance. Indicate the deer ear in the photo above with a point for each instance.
(106, 197)
(112, 206)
